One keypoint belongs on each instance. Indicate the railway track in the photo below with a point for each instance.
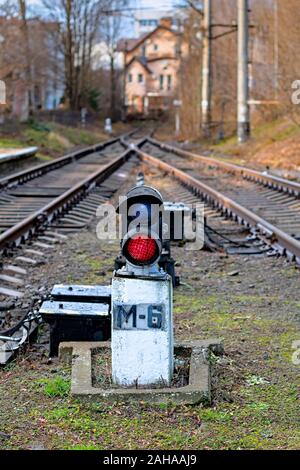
(267, 205)
(40, 206)
(36, 196)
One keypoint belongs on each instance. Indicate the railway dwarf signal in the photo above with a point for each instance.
(141, 249)
(141, 215)
(148, 225)
(142, 324)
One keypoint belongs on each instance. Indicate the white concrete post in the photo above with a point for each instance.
(142, 330)
(108, 126)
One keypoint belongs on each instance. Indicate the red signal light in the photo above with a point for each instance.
(141, 249)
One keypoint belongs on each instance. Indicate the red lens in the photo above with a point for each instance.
(142, 249)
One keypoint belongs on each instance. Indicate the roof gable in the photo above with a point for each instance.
(133, 44)
(142, 62)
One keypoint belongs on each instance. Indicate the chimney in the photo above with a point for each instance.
(166, 22)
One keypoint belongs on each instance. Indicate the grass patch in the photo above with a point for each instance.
(79, 136)
(52, 139)
(62, 413)
(11, 143)
(216, 416)
(85, 447)
(55, 387)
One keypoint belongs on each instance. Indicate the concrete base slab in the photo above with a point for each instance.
(9, 155)
(198, 390)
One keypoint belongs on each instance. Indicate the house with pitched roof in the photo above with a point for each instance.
(152, 68)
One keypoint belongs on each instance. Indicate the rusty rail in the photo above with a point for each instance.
(280, 184)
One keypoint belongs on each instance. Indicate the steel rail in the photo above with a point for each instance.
(36, 171)
(280, 184)
(281, 241)
(32, 223)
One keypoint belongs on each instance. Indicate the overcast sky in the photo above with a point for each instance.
(37, 8)
(148, 5)
(158, 4)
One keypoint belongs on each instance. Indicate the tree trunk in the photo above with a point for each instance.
(69, 55)
(112, 88)
(28, 69)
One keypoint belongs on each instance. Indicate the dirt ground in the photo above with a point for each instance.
(252, 303)
(273, 144)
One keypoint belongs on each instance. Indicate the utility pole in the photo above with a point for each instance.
(206, 68)
(276, 48)
(243, 80)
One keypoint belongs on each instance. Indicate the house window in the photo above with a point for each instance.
(140, 78)
(161, 82)
(155, 47)
(177, 50)
(148, 22)
(130, 77)
(169, 82)
(143, 51)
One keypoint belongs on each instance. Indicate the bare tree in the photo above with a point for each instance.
(15, 52)
(282, 37)
(79, 26)
(27, 58)
(28, 53)
(272, 52)
(111, 29)
(190, 77)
